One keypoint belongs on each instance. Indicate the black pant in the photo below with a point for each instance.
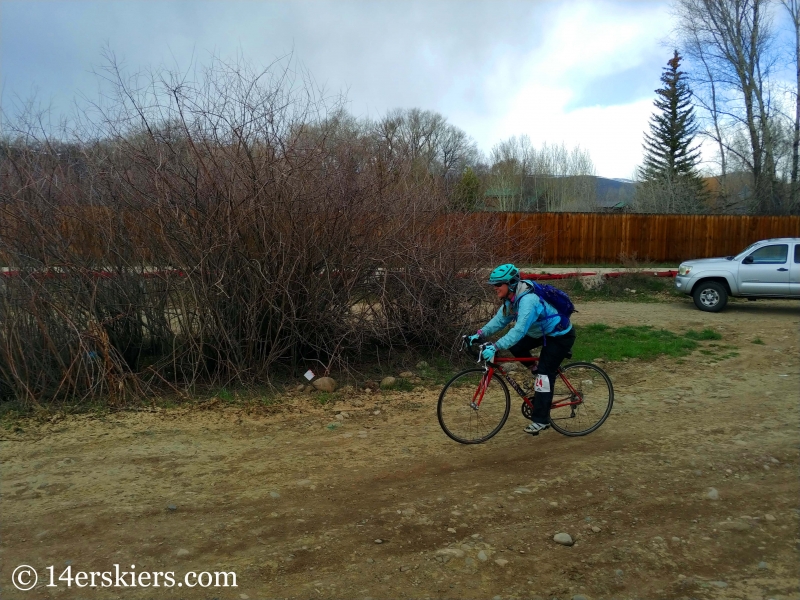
(550, 358)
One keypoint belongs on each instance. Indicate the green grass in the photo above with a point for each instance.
(644, 342)
(632, 287)
(224, 395)
(400, 385)
(598, 340)
(325, 397)
(439, 370)
(706, 334)
(758, 341)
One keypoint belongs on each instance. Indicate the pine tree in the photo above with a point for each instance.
(669, 173)
(467, 191)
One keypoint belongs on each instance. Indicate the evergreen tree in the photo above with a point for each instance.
(467, 193)
(670, 177)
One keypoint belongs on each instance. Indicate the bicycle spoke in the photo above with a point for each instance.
(583, 405)
(460, 420)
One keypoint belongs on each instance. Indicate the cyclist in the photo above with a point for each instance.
(536, 323)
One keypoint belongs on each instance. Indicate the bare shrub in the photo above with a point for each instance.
(214, 231)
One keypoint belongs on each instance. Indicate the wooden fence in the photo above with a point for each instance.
(591, 238)
(547, 238)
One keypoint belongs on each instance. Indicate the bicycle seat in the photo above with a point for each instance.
(569, 354)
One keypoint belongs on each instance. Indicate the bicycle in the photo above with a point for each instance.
(477, 399)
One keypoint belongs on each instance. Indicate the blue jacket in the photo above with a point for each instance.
(533, 316)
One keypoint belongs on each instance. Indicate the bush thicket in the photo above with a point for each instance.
(212, 232)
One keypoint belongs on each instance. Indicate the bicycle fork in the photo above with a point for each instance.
(477, 398)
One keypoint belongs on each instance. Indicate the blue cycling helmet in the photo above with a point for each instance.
(506, 273)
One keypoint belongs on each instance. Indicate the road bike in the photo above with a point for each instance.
(475, 404)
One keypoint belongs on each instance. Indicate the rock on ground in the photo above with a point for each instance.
(564, 539)
(324, 384)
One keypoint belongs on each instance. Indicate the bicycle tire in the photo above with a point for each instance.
(597, 394)
(459, 420)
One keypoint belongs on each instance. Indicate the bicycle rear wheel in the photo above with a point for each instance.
(586, 401)
(459, 415)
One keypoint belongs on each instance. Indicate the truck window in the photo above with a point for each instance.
(797, 254)
(771, 255)
(745, 251)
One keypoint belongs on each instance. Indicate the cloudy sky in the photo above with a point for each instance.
(582, 73)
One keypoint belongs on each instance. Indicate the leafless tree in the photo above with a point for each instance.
(732, 40)
(551, 178)
(567, 178)
(427, 139)
(511, 166)
(793, 9)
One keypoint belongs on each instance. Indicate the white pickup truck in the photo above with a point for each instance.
(766, 269)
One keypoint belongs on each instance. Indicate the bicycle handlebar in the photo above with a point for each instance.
(468, 346)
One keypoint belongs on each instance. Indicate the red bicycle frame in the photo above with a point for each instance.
(491, 367)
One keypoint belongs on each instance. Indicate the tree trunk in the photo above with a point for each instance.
(794, 203)
(771, 199)
(793, 6)
(723, 184)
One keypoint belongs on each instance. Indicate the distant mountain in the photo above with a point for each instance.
(610, 194)
(614, 193)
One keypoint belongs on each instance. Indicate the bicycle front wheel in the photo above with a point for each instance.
(582, 399)
(470, 414)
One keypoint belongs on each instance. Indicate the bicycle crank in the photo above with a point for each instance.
(527, 412)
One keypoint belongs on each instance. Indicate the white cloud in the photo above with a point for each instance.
(558, 71)
(586, 43)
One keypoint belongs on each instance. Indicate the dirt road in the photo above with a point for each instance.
(385, 506)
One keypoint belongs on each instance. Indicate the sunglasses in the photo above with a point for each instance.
(498, 284)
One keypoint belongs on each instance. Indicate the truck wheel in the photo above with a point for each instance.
(710, 296)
